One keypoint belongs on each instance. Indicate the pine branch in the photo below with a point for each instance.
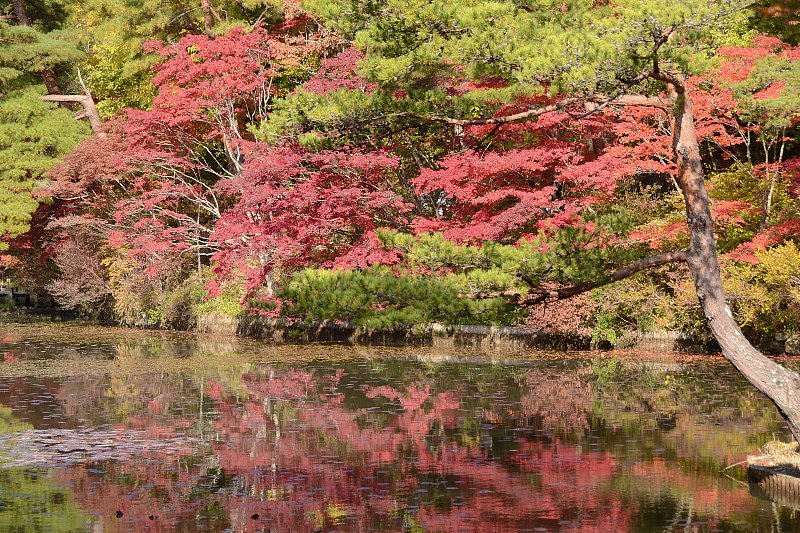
(536, 296)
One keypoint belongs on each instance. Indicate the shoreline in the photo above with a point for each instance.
(89, 333)
(480, 337)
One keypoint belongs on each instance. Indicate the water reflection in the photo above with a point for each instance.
(169, 434)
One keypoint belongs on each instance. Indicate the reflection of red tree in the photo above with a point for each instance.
(307, 452)
(335, 451)
(153, 485)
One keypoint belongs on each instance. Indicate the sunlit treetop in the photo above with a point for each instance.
(118, 69)
(26, 52)
(571, 46)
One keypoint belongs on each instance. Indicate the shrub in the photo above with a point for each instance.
(137, 297)
(764, 298)
(642, 303)
(81, 280)
(377, 298)
(180, 304)
(228, 302)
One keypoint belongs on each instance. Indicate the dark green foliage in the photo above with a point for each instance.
(33, 134)
(27, 52)
(575, 45)
(441, 281)
(780, 18)
(376, 298)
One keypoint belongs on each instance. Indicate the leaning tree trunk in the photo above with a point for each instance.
(779, 384)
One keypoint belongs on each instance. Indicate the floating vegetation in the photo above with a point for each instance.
(783, 455)
(47, 448)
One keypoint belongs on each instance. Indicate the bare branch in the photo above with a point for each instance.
(602, 101)
(635, 100)
(89, 108)
(625, 272)
(537, 296)
(505, 119)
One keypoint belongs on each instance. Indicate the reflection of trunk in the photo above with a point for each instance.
(779, 384)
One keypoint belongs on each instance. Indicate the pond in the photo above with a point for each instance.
(114, 430)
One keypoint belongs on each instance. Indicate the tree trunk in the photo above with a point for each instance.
(208, 19)
(47, 74)
(779, 384)
(766, 203)
(20, 14)
(50, 81)
(210, 16)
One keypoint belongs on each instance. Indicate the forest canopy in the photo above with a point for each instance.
(395, 164)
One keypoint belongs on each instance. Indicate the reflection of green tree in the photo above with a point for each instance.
(675, 409)
(9, 423)
(124, 396)
(30, 501)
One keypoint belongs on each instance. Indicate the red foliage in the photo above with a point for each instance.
(82, 283)
(339, 73)
(644, 137)
(89, 172)
(296, 208)
(512, 192)
(774, 235)
(227, 76)
(151, 178)
(186, 176)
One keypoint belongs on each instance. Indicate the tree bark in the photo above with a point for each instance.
(20, 13)
(48, 75)
(210, 16)
(623, 273)
(766, 203)
(778, 383)
(208, 19)
(50, 81)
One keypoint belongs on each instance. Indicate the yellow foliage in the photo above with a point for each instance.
(780, 269)
(750, 299)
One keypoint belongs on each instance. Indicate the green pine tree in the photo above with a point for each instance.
(33, 134)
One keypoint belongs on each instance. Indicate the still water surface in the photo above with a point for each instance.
(107, 430)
